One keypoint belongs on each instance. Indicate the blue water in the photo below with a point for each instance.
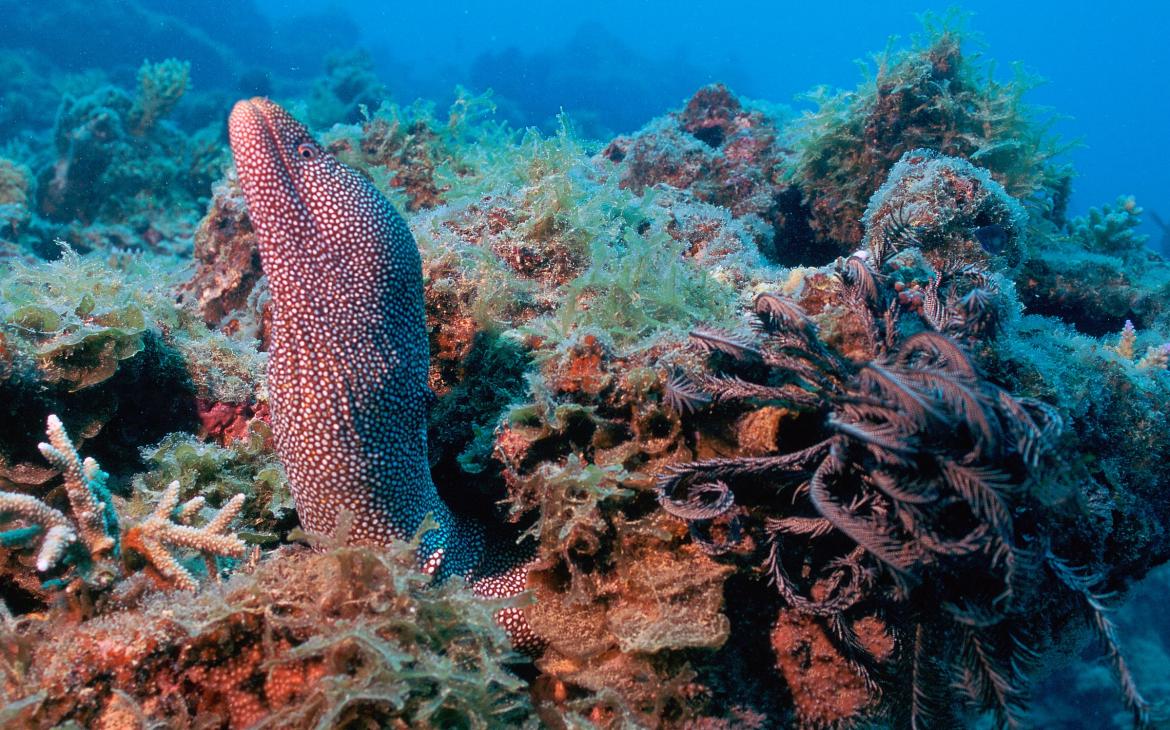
(1106, 68)
(616, 65)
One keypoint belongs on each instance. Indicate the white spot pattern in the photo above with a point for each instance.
(348, 361)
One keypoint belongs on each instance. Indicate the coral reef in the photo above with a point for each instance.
(838, 420)
(245, 466)
(896, 527)
(228, 263)
(934, 97)
(1110, 229)
(160, 87)
(303, 639)
(28, 102)
(115, 158)
(1096, 273)
(114, 173)
(947, 207)
(349, 86)
(89, 551)
(108, 348)
(15, 184)
(726, 155)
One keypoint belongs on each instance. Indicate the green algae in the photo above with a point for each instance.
(80, 321)
(640, 286)
(314, 639)
(246, 466)
(929, 96)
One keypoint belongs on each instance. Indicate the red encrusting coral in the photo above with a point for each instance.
(224, 423)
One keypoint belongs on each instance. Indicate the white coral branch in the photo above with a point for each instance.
(85, 483)
(1156, 358)
(59, 532)
(160, 532)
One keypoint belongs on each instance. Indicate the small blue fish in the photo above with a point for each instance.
(992, 238)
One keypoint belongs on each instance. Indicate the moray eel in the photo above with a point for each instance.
(347, 369)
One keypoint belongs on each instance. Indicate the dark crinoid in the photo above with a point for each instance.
(902, 500)
(897, 233)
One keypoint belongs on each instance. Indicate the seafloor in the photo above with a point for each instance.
(824, 420)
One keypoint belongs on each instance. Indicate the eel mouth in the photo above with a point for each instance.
(254, 135)
(246, 122)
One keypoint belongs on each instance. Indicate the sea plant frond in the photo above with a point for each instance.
(860, 277)
(1081, 582)
(777, 312)
(734, 388)
(898, 233)
(981, 487)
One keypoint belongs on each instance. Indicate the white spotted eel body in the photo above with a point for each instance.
(347, 371)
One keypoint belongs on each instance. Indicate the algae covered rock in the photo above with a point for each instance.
(1097, 273)
(302, 638)
(15, 213)
(932, 96)
(94, 345)
(951, 209)
(119, 162)
(227, 258)
(727, 154)
(160, 87)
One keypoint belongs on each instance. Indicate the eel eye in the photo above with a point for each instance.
(307, 150)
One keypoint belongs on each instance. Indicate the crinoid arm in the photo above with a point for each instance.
(1081, 583)
(903, 510)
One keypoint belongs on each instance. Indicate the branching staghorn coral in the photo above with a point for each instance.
(59, 532)
(165, 529)
(1126, 341)
(891, 519)
(1110, 229)
(1157, 357)
(94, 520)
(89, 546)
